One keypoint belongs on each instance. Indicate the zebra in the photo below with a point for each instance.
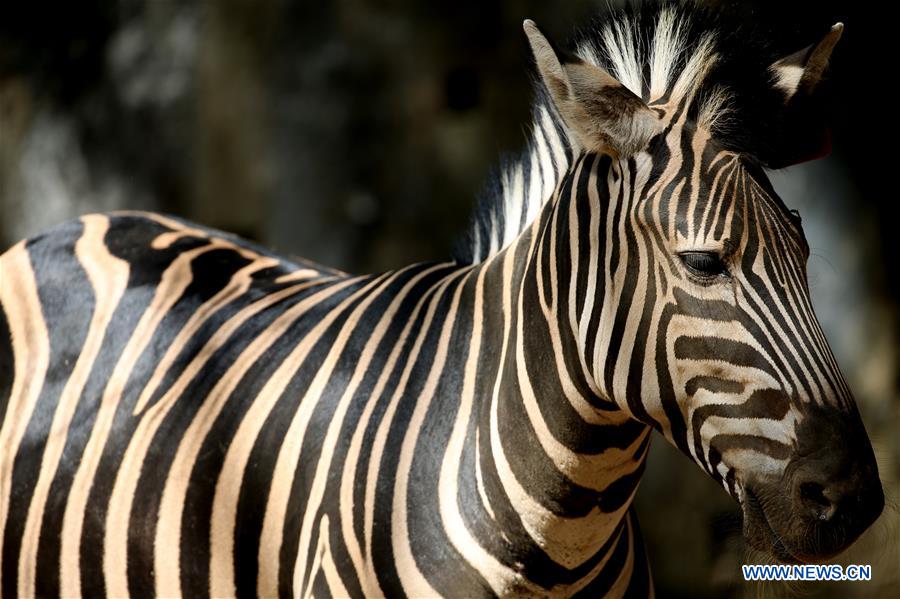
(185, 413)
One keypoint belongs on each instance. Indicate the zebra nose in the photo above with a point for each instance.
(818, 500)
(832, 480)
(852, 499)
(831, 511)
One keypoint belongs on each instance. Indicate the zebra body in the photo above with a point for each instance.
(395, 377)
(184, 413)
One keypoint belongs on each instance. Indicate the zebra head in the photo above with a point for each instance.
(693, 310)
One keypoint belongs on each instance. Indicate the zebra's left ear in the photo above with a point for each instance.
(601, 113)
(799, 78)
(800, 73)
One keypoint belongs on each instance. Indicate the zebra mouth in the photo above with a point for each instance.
(759, 533)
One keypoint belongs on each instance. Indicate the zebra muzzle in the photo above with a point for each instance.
(828, 495)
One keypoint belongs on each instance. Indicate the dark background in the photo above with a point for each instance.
(357, 133)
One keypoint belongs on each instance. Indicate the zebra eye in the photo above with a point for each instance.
(704, 264)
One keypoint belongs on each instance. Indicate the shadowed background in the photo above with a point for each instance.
(358, 134)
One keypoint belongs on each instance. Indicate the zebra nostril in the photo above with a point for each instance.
(812, 495)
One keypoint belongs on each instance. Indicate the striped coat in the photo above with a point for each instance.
(170, 355)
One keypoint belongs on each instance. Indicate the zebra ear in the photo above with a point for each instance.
(800, 73)
(603, 115)
(805, 135)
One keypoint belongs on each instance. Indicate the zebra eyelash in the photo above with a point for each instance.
(705, 266)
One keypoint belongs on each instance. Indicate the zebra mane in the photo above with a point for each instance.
(678, 52)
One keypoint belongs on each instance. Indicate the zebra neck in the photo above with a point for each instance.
(555, 467)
